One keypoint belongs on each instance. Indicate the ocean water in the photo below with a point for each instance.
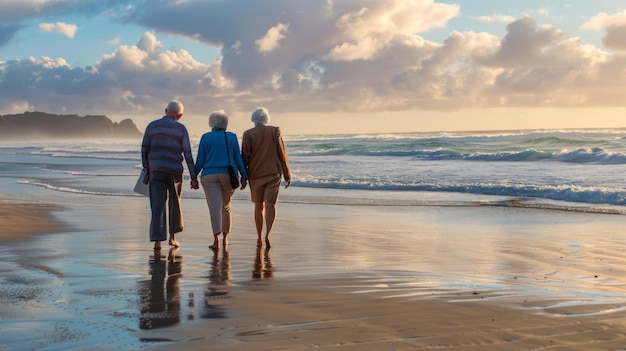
(581, 170)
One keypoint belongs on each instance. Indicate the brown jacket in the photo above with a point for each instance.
(264, 152)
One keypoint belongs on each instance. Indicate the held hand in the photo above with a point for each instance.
(194, 184)
(244, 182)
(287, 183)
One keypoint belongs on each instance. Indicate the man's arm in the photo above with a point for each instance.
(189, 159)
(145, 149)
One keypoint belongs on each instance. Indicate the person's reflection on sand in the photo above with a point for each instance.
(219, 276)
(160, 297)
(263, 267)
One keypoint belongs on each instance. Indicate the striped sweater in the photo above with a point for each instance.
(165, 143)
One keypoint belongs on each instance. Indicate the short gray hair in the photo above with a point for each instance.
(175, 107)
(261, 116)
(218, 119)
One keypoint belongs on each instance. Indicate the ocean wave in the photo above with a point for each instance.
(67, 189)
(538, 135)
(101, 155)
(591, 155)
(593, 146)
(89, 174)
(582, 155)
(567, 193)
(575, 167)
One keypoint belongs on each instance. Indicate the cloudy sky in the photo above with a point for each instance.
(321, 66)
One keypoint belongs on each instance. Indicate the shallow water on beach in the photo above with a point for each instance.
(101, 284)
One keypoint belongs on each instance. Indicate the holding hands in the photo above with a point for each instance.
(194, 184)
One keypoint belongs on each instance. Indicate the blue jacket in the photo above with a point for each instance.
(212, 157)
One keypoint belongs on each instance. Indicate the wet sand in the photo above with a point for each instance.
(19, 221)
(337, 277)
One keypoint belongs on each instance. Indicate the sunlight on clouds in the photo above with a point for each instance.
(526, 44)
(272, 38)
(47, 62)
(388, 18)
(496, 19)
(125, 57)
(603, 19)
(615, 26)
(148, 55)
(362, 50)
(150, 44)
(371, 29)
(69, 30)
(215, 79)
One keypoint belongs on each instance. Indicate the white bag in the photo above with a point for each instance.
(142, 186)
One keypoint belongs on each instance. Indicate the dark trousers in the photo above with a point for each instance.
(165, 188)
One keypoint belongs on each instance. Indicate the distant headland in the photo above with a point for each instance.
(46, 125)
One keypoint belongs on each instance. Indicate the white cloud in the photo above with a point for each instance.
(271, 40)
(69, 30)
(368, 30)
(615, 26)
(496, 19)
(361, 50)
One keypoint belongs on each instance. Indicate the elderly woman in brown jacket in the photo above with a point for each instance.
(265, 157)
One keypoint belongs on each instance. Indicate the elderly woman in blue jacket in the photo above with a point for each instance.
(217, 150)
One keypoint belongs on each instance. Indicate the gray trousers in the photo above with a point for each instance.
(218, 193)
(165, 188)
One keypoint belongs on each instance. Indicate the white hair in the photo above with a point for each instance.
(175, 107)
(218, 119)
(261, 116)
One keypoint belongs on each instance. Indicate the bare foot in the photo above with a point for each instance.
(268, 243)
(216, 242)
(172, 254)
(259, 242)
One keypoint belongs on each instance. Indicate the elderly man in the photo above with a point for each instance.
(165, 143)
(265, 157)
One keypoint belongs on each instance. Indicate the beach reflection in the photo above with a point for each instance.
(263, 267)
(219, 276)
(160, 296)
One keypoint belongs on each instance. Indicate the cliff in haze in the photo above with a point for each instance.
(46, 125)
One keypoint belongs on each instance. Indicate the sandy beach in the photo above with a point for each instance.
(337, 277)
(22, 220)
